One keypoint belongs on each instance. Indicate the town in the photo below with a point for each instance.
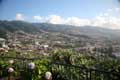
(24, 43)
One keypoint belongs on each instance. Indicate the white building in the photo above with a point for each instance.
(2, 42)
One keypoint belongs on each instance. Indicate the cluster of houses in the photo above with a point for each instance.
(6, 45)
(100, 50)
(26, 43)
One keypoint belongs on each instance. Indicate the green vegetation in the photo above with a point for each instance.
(69, 57)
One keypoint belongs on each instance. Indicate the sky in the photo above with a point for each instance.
(103, 13)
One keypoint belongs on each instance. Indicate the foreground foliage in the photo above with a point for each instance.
(69, 57)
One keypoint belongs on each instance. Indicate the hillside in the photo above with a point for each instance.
(61, 32)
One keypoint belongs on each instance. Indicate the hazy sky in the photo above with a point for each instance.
(75, 12)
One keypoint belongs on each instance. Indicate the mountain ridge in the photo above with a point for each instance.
(33, 28)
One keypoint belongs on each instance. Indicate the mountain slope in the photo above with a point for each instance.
(71, 31)
(91, 31)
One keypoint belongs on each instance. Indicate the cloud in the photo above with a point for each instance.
(110, 22)
(37, 18)
(99, 21)
(113, 10)
(19, 16)
(77, 21)
(109, 10)
(117, 9)
(105, 19)
(54, 19)
(108, 19)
